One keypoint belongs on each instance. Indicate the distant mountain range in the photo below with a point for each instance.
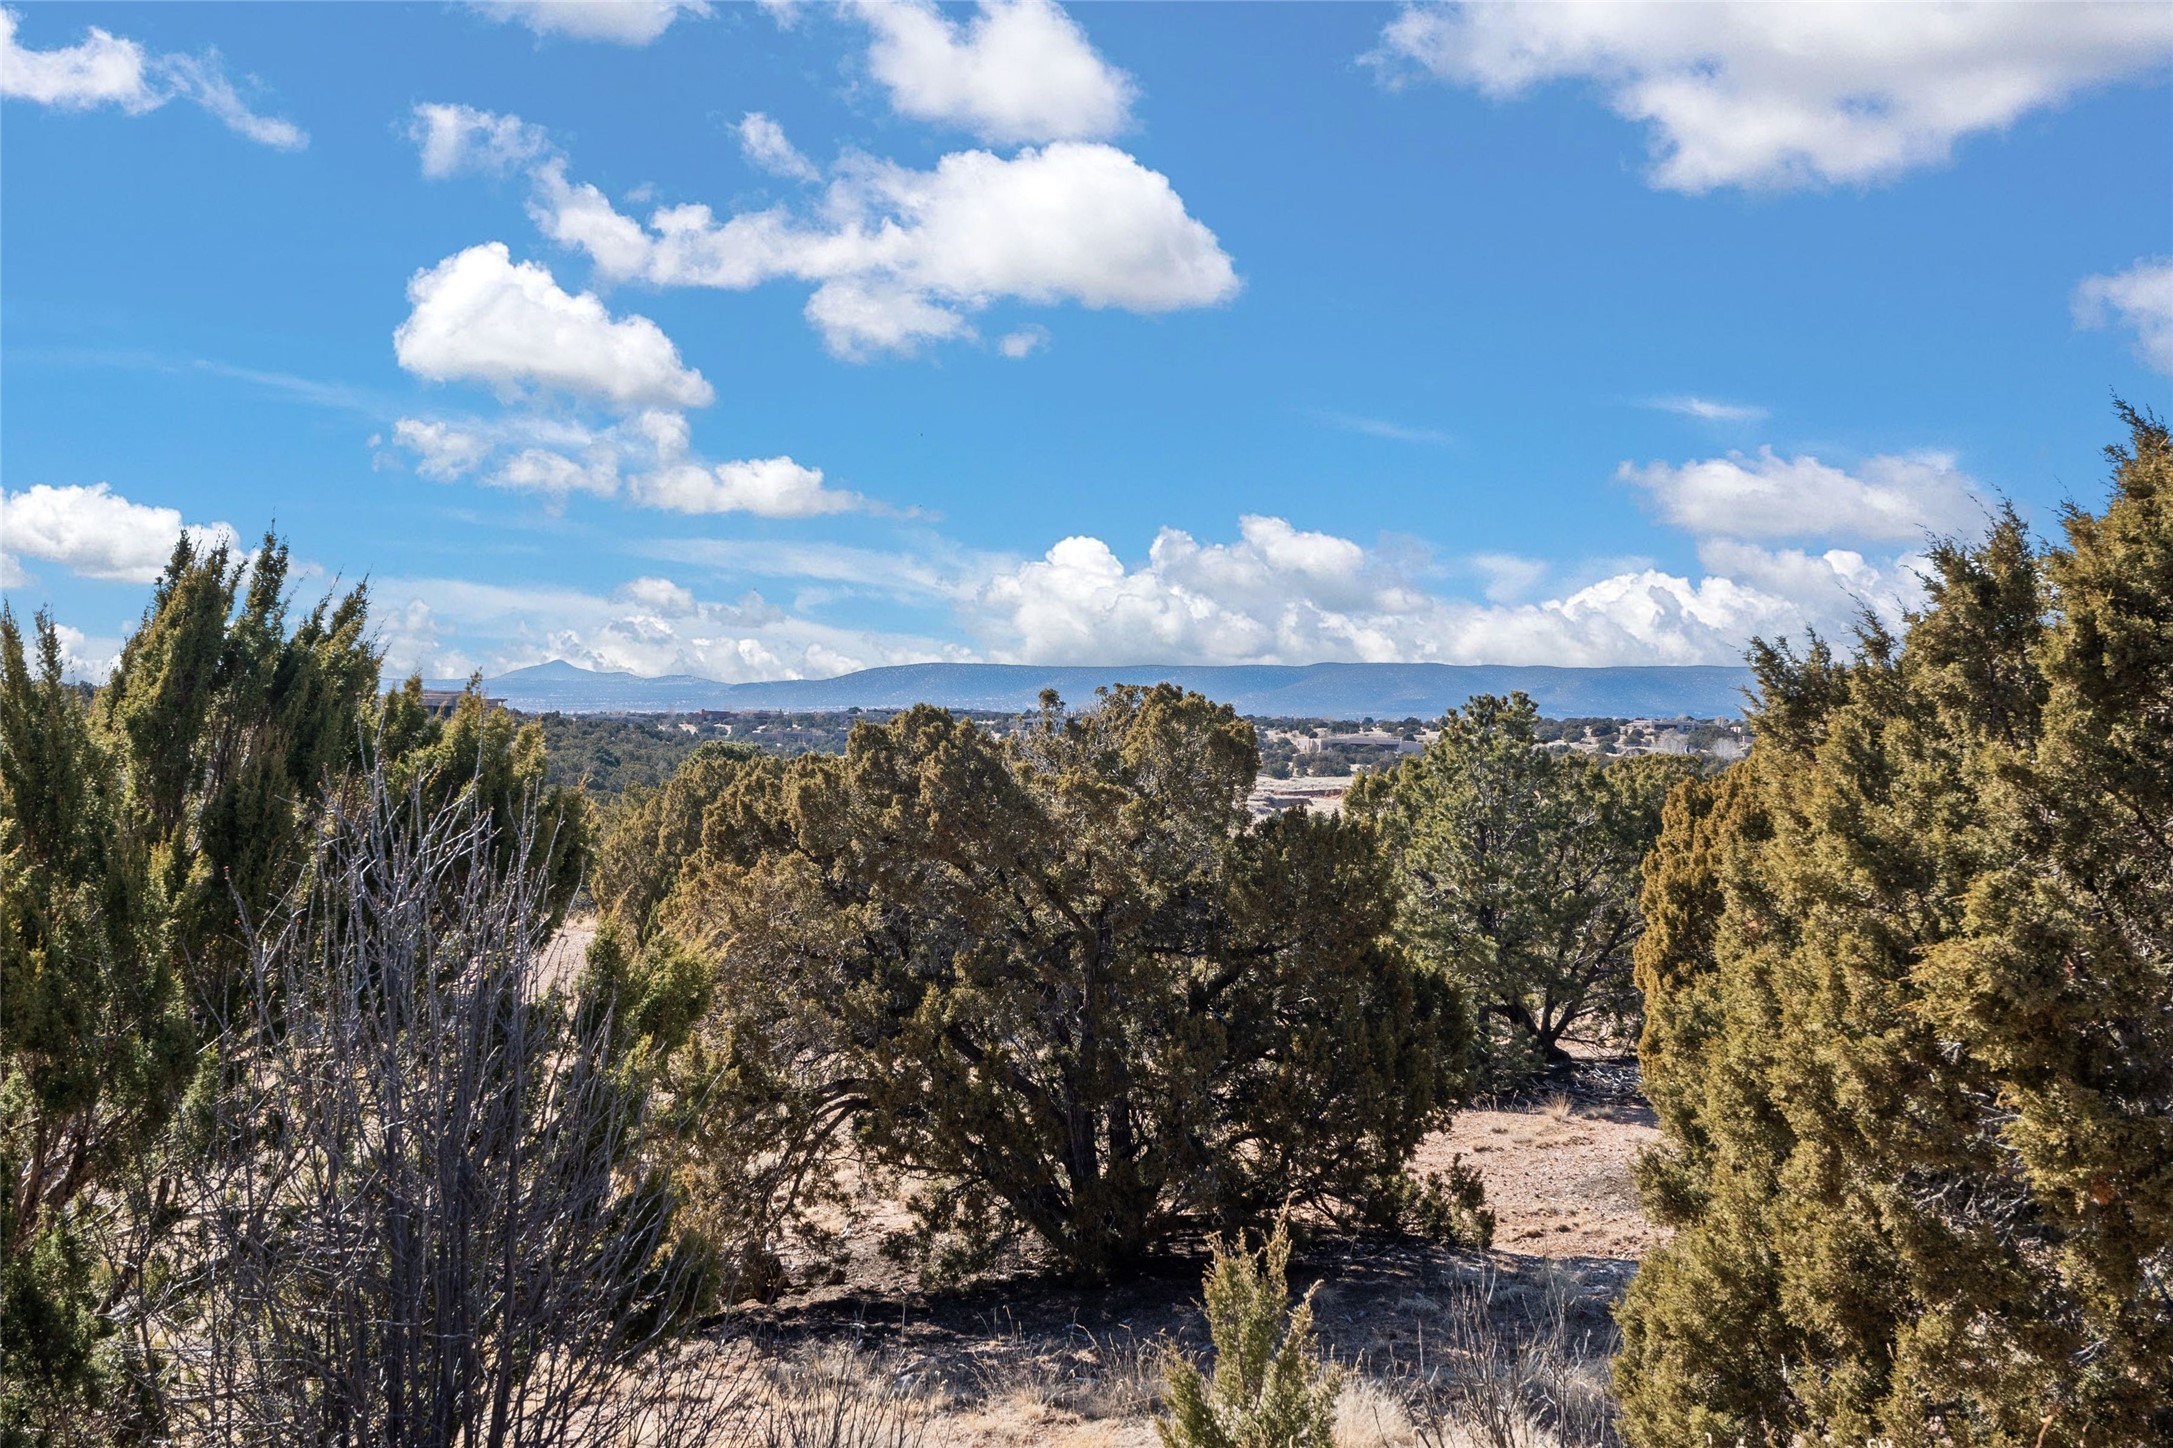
(1328, 691)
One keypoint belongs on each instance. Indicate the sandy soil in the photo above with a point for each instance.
(1028, 1361)
(1557, 1172)
(569, 949)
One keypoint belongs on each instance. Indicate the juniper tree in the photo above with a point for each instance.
(1910, 1020)
(1056, 978)
(1270, 1387)
(228, 721)
(1519, 874)
(95, 1038)
(139, 830)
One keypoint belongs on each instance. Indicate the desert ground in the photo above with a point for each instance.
(1504, 1348)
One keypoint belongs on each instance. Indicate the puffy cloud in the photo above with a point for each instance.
(104, 69)
(444, 627)
(1706, 409)
(1783, 95)
(766, 487)
(1831, 587)
(456, 138)
(1283, 595)
(96, 533)
(1275, 594)
(479, 317)
(1020, 70)
(539, 470)
(1888, 499)
(1025, 342)
(902, 256)
(442, 451)
(648, 458)
(658, 595)
(764, 143)
(620, 22)
(579, 215)
(2140, 297)
(84, 659)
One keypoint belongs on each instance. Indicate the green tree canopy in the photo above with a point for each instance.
(1056, 978)
(1910, 1021)
(1519, 873)
(142, 829)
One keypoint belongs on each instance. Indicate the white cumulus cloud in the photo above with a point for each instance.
(620, 22)
(1790, 94)
(1280, 594)
(765, 145)
(480, 317)
(647, 458)
(767, 487)
(660, 595)
(442, 451)
(94, 532)
(2141, 298)
(444, 627)
(454, 139)
(104, 69)
(1019, 70)
(539, 470)
(900, 256)
(1887, 499)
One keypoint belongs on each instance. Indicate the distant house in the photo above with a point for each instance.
(1360, 739)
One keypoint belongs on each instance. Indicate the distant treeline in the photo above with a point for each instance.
(608, 754)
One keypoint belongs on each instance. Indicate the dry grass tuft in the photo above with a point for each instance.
(1520, 1374)
(1369, 1414)
(837, 1398)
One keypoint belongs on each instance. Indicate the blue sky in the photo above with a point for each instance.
(763, 341)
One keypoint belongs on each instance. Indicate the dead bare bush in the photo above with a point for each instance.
(839, 1399)
(1526, 1378)
(412, 1204)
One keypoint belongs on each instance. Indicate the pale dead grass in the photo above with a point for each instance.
(1440, 1348)
(1460, 1353)
(1372, 1414)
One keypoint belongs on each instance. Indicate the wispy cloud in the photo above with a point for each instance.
(335, 395)
(934, 570)
(111, 70)
(1393, 431)
(1707, 409)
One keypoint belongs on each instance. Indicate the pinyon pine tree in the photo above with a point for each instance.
(1518, 873)
(1909, 1024)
